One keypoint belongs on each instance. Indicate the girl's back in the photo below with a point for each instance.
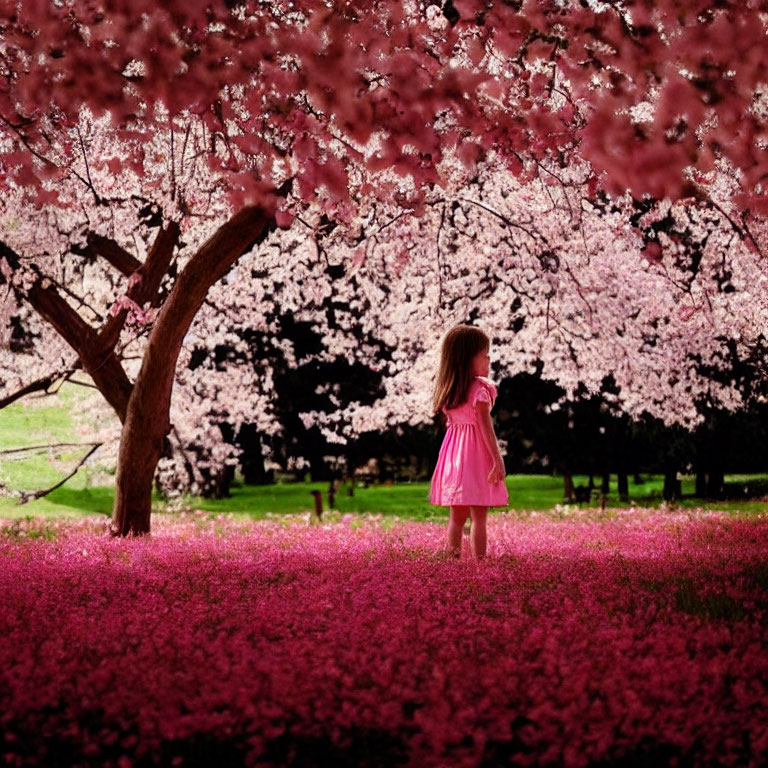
(461, 473)
(466, 413)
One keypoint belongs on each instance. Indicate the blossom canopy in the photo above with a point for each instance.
(367, 97)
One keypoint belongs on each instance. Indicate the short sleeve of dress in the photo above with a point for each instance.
(484, 392)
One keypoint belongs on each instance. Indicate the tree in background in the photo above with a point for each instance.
(267, 344)
(548, 271)
(219, 121)
(167, 141)
(568, 283)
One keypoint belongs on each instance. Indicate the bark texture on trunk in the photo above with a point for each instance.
(148, 416)
(99, 362)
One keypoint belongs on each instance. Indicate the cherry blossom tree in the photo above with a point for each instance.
(667, 301)
(280, 320)
(166, 142)
(273, 106)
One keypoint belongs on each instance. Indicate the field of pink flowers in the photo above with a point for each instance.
(636, 637)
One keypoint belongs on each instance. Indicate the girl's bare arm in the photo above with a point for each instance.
(489, 439)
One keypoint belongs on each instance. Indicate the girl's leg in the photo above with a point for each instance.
(459, 516)
(478, 534)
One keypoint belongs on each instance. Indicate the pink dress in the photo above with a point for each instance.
(461, 474)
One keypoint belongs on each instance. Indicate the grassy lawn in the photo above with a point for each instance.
(526, 492)
(530, 492)
(402, 499)
(45, 421)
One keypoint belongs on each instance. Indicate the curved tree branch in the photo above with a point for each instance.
(40, 385)
(101, 364)
(26, 496)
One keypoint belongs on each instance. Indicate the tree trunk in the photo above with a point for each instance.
(623, 485)
(622, 448)
(701, 484)
(605, 486)
(217, 483)
(140, 443)
(319, 472)
(570, 491)
(671, 486)
(148, 417)
(252, 458)
(715, 484)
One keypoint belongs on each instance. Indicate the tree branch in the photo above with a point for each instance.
(87, 167)
(101, 364)
(145, 289)
(439, 260)
(42, 384)
(25, 497)
(81, 302)
(44, 447)
(47, 301)
(505, 219)
(115, 254)
(157, 263)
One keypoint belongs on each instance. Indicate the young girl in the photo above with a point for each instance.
(469, 476)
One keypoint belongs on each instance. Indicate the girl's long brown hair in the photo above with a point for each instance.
(460, 346)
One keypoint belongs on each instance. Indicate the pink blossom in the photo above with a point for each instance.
(587, 639)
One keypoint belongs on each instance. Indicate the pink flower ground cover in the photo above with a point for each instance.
(635, 638)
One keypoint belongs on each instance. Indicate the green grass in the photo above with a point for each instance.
(402, 500)
(538, 492)
(48, 420)
(39, 421)
(529, 492)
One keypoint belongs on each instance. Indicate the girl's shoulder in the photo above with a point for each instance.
(482, 381)
(482, 389)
